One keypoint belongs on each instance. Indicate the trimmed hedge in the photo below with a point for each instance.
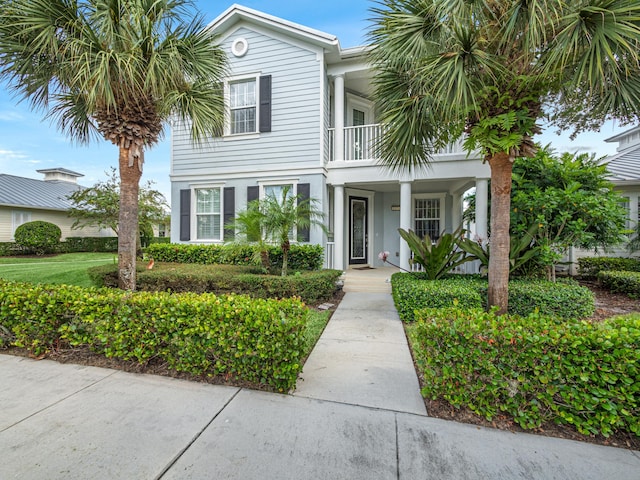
(621, 282)
(536, 368)
(301, 257)
(89, 244)
(413, 291)
(10, 249)
(563, 299)
(38, 237)
(253, 340)
(589, 267)
(311, 287)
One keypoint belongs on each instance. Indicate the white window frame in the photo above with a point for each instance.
(19, 217)
(362, 104)
(441, 197)
(227, 95)
(194, 212)
(293, 236)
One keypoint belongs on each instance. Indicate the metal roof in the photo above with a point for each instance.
(625, 166)
(31, 193)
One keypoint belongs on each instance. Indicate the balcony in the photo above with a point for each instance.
(359, 144)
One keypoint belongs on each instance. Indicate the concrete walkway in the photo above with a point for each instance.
(73, 422)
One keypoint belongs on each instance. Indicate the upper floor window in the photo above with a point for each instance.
(249, 105)
(243, 106)
(208, 213)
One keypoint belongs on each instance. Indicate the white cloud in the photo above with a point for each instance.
(10, 116)
(7, 155)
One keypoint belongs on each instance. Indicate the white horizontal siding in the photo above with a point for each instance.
(294, 141)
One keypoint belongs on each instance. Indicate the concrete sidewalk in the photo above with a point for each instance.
(73, 422)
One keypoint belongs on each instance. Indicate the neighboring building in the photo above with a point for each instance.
(300, 113)
(26, 199)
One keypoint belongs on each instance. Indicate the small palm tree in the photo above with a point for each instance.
(283, 214)
(116, 69)
(249, 226)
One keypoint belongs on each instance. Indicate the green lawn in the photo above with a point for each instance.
(69, 268)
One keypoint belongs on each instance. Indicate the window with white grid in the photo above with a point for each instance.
(208, 213)
(243, 106)
(427, 217)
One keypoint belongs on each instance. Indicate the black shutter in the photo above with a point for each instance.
(253, 193)
(265, 103)
(185, 215)
(229, 202)
(304, 191)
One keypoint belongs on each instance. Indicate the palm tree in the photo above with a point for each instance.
(116, 69)
(491, 70)
(249, 225)
(283, 214)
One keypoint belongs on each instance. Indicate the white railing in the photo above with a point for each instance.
(328, 255)
(466, 268)
(359, 143)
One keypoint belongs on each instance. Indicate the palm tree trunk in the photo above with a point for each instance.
(285, 257)
(501, 168)
(128, 220)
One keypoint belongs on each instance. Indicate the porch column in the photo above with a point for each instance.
(338, 99)
(482, 207)
(338, 227)
(405, 222)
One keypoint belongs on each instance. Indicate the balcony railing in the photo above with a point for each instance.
(359, 143)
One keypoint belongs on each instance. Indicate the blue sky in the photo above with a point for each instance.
(29, 143)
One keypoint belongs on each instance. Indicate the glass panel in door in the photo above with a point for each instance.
(358, 135)
(358, 230)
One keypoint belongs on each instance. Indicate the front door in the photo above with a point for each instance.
(358, 234)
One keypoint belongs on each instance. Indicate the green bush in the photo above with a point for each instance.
(621, 282)
(252, 340)
(536, 368)
(89, 244)
(301, 257)
(9, 249)
(412, 291)
(241, 279)
(589, 267)
(38, 237)
(564, 299)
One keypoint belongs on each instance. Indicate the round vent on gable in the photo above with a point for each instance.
(239, 47)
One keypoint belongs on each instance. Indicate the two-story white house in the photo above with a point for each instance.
(299, 113)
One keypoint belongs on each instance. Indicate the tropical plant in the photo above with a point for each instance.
(284, 214)
(100, 206)
(521, 249)
(436, 258)
(249, 225)
(491, 70)
(116, 69)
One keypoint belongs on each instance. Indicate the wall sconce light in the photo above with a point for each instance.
(395, 208)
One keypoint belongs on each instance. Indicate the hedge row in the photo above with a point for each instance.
(621, 282)
(535, 368)
(76, 245)
(253, 340)
(301, 257)
(589, 267)
(311, 287)
(563, 299)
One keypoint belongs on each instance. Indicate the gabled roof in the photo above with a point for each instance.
(30, 193)
(236, 13)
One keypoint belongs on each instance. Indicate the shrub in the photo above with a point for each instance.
(589, 267)
(301, 257)
(309, 286)
(252, 340)
(38, 237)
(8, 249)
(534, 368)
(621, 282)
(90, 244)
(564, 299)
(411, 292)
